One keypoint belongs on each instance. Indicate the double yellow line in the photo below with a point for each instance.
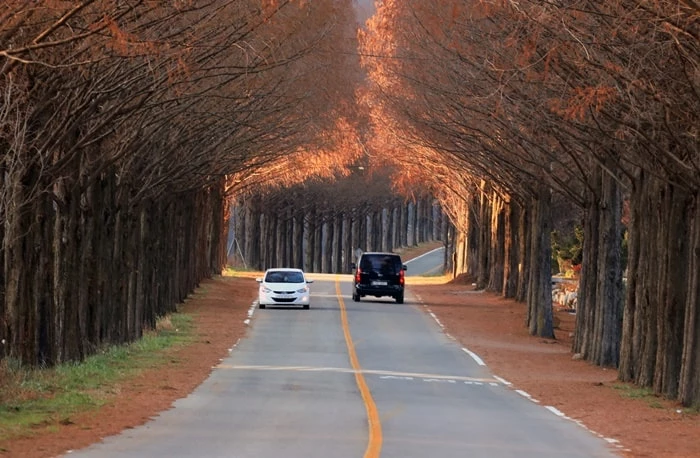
(374, 443)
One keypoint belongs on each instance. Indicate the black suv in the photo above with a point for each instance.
(379, 274)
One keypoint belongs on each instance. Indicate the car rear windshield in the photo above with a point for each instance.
(381, 263)
(284, 277)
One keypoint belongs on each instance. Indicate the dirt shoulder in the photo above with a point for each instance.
(490, 326)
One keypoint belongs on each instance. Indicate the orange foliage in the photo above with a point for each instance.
(125, 43)
(582, 101)
(342, 149)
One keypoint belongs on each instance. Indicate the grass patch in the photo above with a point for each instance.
(653, 400)
(694, 410)
(32, 399)
(644, 394)
(633, 392)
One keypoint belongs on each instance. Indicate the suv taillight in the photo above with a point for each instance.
(357, 275)
(401, 277)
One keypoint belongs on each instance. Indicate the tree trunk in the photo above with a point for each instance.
(524, 242)
(539, 315)
(348, 245)
(609, 304)
(404, 223)
(689, 383)
(511, 260)
(674, 292)
(415, 229)
(338, 243)
(639, 342)
(497, 251)
(299, 240)
(318, 249)
(328, 237)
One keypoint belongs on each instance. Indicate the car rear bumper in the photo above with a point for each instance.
(368, 290)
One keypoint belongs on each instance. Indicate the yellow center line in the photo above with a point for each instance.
(374, 443)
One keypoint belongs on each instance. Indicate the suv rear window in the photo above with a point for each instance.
(381, 263)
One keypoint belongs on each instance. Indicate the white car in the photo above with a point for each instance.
(284, 286)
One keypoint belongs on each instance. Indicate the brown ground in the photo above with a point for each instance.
(486, 324)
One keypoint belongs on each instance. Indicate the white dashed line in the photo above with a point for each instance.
(556, 411)
(527, 396)
(474, 356)
(251, 312)
(437, 320)
(502, 380)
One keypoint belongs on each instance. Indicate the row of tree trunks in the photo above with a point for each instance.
(506, 248)
(320, 241)
(660, 326)
(457, 247)
(86, 269)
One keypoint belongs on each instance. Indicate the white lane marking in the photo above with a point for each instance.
(527, 396)
(424, 254)
(394, 377)
(234, 345)
(353, 371)
(251, 312)
(437, 320)
(556, 411)
(561, 414)
(474, 356)
(502, 380)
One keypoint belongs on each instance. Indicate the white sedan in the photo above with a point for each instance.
(284, 286)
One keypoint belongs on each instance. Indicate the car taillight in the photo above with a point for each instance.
(401, 277)
(357, 275)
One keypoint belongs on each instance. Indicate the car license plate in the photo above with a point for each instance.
(378, 283)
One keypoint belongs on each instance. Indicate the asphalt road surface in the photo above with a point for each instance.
(430, 263)
(347, 379)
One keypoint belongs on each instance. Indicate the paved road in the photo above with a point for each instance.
(348, 379)
(430, 263)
